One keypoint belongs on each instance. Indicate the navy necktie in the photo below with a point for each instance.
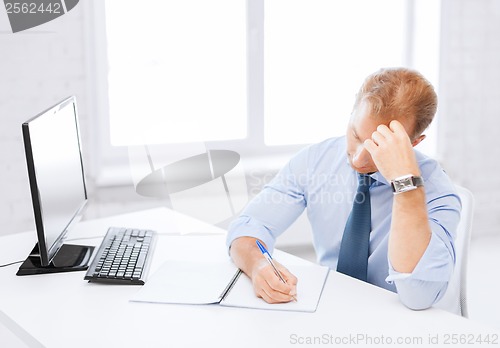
(353, 255)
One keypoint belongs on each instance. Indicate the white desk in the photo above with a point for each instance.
(63, 310)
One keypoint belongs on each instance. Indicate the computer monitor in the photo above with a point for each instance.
(58, 190)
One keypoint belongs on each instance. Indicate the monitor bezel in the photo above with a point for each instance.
(47, 253)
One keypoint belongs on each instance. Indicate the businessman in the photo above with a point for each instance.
(380, 211)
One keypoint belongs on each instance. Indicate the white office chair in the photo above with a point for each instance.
(455, 298)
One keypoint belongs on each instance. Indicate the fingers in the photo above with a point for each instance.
(276, 289)
(269, 287)
(385, 134)
(391, 150)
(289, 277)
(378, 137)
(370, 146)
(397, 127)
(384, 130)
(271, 296)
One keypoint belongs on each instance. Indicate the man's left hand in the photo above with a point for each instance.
(392, 151)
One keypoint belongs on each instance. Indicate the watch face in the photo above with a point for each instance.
(403, 184)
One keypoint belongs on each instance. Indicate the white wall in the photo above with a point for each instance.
(470, 104)
(46, 64)
(38, 68)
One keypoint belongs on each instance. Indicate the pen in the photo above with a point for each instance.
(270, 260)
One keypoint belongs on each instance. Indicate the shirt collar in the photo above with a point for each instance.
(380, 178)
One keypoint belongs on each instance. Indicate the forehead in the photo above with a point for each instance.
(363, 123)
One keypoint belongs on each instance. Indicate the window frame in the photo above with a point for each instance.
(109, 163)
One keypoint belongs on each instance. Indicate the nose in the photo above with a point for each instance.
(361, 158)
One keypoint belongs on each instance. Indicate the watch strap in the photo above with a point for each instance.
(418, 181)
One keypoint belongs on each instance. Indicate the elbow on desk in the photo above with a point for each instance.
(416, 305)
(419, 295)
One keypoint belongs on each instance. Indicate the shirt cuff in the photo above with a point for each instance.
(245, 226)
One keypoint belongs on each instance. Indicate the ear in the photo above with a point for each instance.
(418, 140)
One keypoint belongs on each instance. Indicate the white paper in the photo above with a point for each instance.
(309, 287)
(187, 282)
(196, 282)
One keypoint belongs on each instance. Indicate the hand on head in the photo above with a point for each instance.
(392, 150)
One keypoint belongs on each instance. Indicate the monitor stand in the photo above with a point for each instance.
(69, 258)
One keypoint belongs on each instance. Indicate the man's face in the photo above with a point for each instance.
(361, 126)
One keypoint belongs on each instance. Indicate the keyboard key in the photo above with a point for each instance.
(123, 257)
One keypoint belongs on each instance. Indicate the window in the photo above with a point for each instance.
(255, 76)
(177, 73)
(318, 52)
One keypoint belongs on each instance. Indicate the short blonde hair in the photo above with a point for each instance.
(399, 93)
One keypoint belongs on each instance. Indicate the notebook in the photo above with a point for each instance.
(222, 283)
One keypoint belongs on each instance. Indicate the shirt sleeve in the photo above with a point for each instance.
(428, 282)
(276, 207)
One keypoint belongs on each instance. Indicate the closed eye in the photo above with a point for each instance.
(355, 135)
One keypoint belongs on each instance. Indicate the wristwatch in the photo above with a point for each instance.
(406, 183)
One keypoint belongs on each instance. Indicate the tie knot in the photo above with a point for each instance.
(364, 182)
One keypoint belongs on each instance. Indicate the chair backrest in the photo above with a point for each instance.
(455, 298)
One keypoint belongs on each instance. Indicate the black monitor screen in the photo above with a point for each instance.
(55, 169)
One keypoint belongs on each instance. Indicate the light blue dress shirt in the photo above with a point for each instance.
(320, 179)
